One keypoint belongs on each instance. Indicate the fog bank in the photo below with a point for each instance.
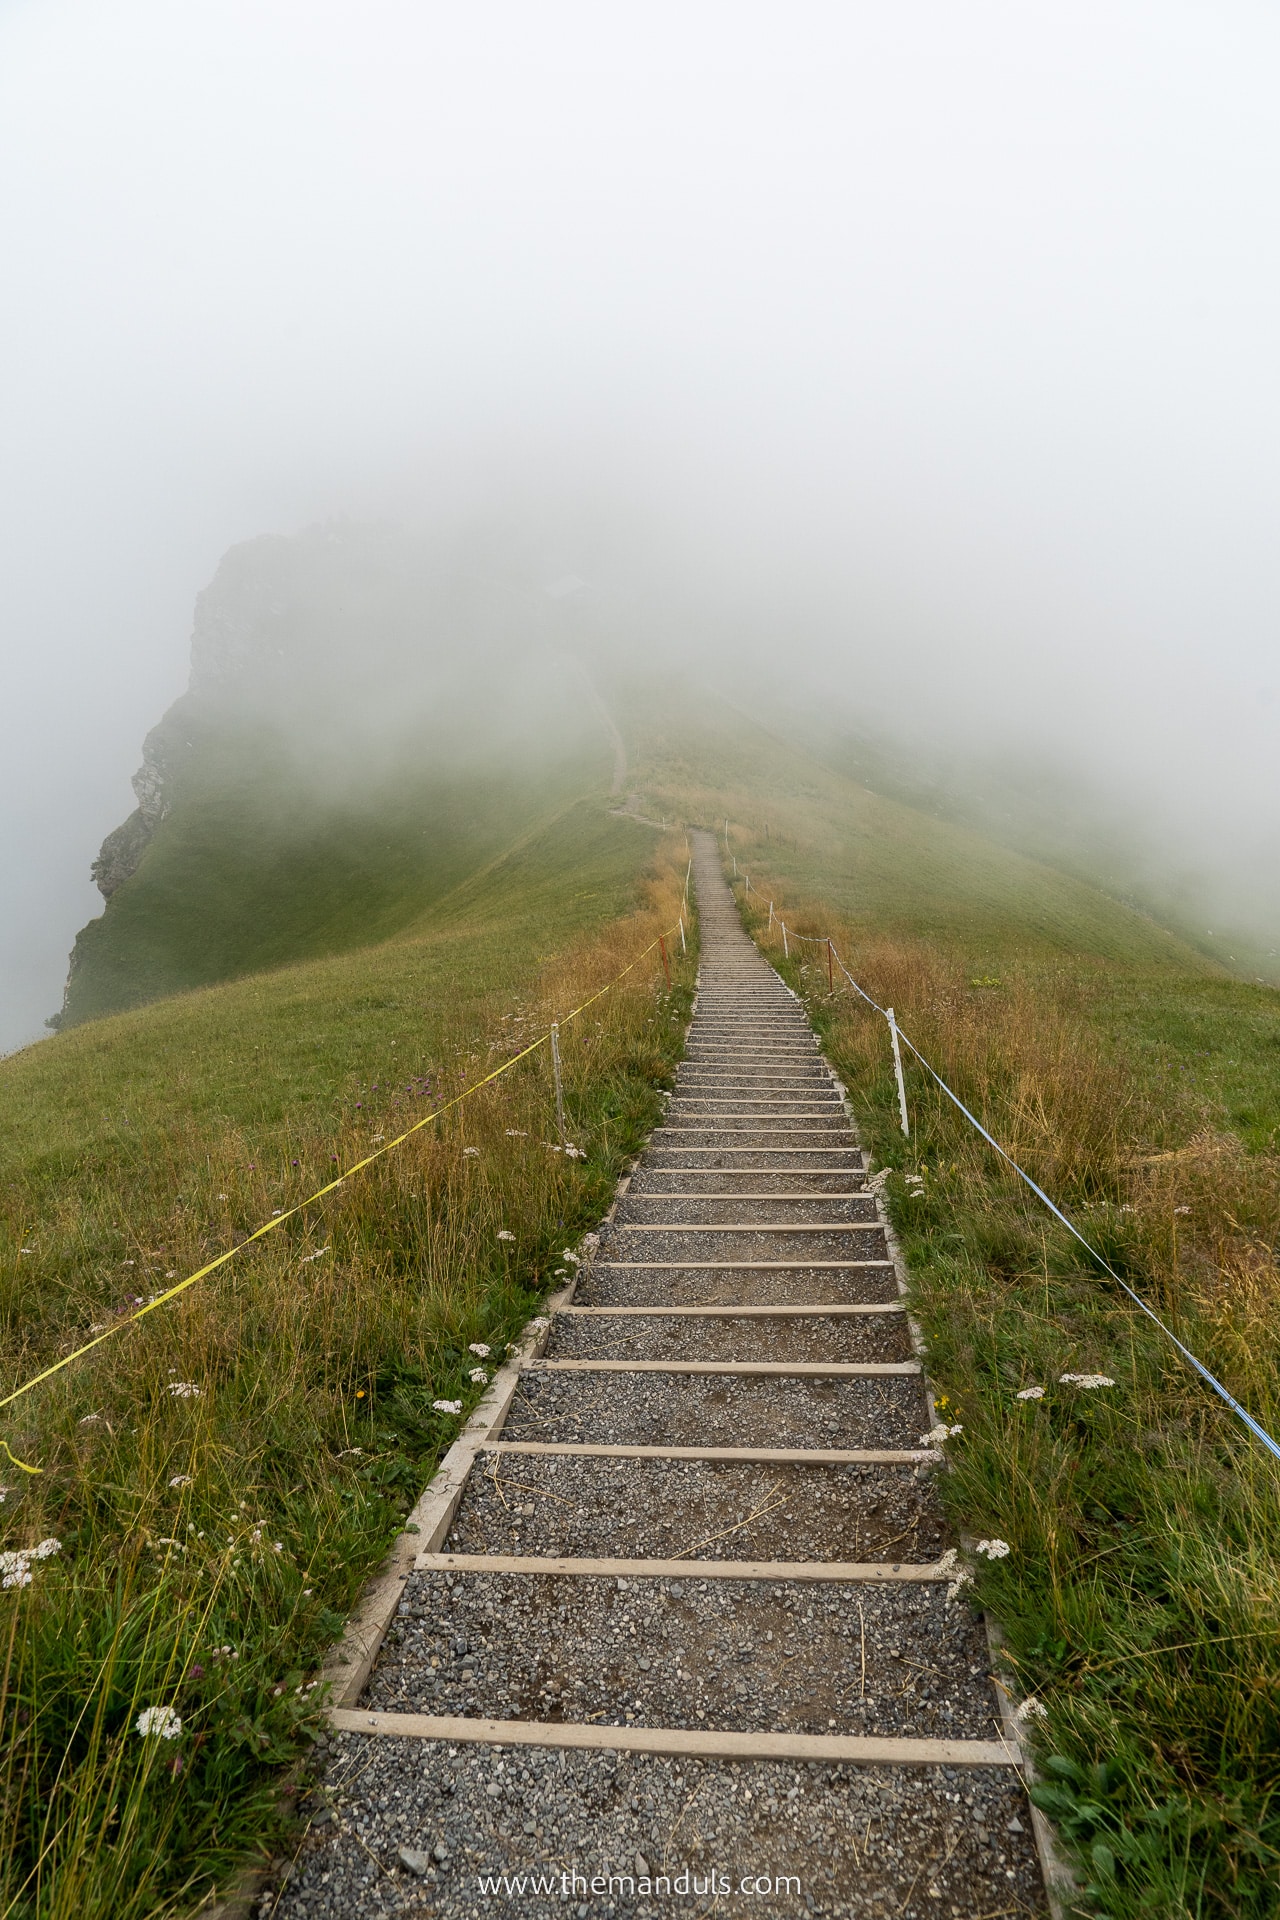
(914, 360)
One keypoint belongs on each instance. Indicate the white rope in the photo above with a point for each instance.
(1256, 1429)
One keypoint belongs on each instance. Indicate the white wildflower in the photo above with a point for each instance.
(472, 1153)
(1085, 1380)
(516, 1133)
(184, 1390)
(4, 1494)
(277, 1546)
(1031, 1393)
(15, 1566)
(993, 1549)
(936, 1435)
(158, 1723)
(914, 1179)
(1030, 1709)
(479, 1375)
(479, 1347)
(961, 1576)
(505, 1234)
(276, 1212)
(182, 1480)
(447, 1406)
(307, 1258)
(575, 1153)
(572, 1258)
(1182, 1209)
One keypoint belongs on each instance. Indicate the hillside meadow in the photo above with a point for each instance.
(222, 1476)
(1139, 1084)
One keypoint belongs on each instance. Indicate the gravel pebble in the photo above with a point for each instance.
(847, 1243)
(657, 1180)
(613, 1286)
(849, 1337)
(865, 1843)
(739, 1654)
(586, 1508)
(717, 1410)
(643, 1209)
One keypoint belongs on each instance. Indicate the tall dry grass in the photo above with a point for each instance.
(1140, 1598)
(223, 1474)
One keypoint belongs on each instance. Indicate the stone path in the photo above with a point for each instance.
(689, 1628)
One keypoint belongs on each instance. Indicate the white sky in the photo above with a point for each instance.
(944, 336)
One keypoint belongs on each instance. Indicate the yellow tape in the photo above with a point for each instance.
(278, 1220)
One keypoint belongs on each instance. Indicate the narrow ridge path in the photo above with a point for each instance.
(688, 1643)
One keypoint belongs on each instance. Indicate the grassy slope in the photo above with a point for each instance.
(895, 870)
(151, 1137)
(134, 1148)
(1141, 1085)
(260, 864)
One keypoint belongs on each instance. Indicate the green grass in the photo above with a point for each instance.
(138, 1146)
(889, 869)
(1141, 1088)
(262, 862)
(1136, 1078)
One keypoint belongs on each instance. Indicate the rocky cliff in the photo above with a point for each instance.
(365, 711)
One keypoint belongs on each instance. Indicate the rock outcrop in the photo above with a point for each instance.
(123, 848)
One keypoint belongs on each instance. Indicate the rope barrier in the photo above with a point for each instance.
(278, 1220)
(1258, 1431)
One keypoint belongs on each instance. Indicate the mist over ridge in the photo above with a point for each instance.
(911, 374)
(374, 708)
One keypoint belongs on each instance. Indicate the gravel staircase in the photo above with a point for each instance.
(680, 1637)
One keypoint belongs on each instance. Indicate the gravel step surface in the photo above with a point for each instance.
(738, 1654)
(591, 1508)
(699, 1129)
(653, 1409)
(761, 1243)
(643, 1208)
(788, 1089)
(863, 1843)
(752, 1157)
(607, 1286)
(795, 1183)
(808, 1337)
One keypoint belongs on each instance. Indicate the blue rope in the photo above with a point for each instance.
(1259, 1432)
